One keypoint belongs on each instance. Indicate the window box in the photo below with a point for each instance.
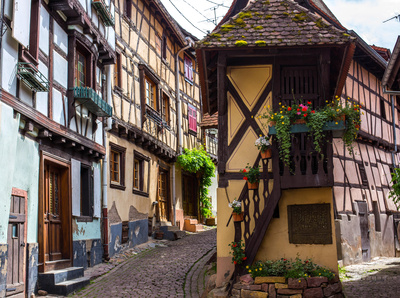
(104, 12)
(153, 115)
(92, 101)
(298, 128)
(32, 77)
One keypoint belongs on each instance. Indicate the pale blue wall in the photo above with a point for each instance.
(86, 230)
(19, 164)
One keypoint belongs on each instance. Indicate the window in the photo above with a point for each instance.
(158, 45)
(136, 174)
(165, 108)
(382, 106)
(86, 191)
(150, 93)
(128, 8)
(188, 68)
(80, 70)
(192, 118)
(141, 173)
(118, 72)
(164, 48)
(117, 166)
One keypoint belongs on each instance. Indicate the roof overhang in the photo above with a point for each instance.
(392, 69)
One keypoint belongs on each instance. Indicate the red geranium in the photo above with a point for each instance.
(309, 102)
(289, 109)
(313, 111)
(304, 109)
(245, 178)
(305, 115)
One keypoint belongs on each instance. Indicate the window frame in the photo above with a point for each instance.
(128, 9)
(90, 67)
(152, 103)
(188, 65)
(87, 210)
(144, 72)
(121, 151)
(192, 114)
(164, 47)
(165, 108)
(118, 72)
(142, 160)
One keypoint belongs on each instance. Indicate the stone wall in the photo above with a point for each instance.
(277, 286)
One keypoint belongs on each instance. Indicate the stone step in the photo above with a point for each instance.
(194, 228)
(57, 276)
(191, 221)
(172, 232)
(69, 286)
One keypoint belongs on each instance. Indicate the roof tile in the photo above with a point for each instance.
(279, 23)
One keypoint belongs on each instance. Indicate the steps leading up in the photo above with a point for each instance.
(64, 281)
(192, 225)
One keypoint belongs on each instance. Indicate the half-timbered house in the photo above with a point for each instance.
(335, 206)
(156, 104)
(56, 68)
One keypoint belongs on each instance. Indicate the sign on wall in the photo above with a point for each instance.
(310, 224)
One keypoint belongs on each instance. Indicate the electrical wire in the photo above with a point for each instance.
(218, 3)
(186, 18)
(207, 19)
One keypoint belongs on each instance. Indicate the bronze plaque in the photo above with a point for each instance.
(310, 224)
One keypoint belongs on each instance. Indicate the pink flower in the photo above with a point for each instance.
(298, 113)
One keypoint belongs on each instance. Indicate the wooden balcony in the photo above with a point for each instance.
(92, 101)
(32, 77)
(104, 12)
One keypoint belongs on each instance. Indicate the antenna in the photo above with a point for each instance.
(395, 17)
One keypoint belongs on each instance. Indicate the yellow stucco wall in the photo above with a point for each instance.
(276, 241)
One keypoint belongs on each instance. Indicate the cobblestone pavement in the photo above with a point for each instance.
(377, 278)
(171, 269)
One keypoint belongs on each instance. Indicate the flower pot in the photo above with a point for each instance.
(300, 121)
(210, 221)
(237, 216)
(266, 153)
(253, 185)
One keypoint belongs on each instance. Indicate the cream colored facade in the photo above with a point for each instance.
(147, 44)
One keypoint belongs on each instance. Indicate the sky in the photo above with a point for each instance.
(365, 17)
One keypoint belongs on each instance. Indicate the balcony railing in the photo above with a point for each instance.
(32, 77)
(94, 103)
(104, 11)
(158, 120)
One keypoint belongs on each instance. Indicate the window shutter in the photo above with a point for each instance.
(76, 187)
(192, 117)
(96, 190)
(21, 30)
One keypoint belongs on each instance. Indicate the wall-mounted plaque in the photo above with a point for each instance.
(310, 224)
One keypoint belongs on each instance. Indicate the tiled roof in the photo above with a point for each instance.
(210, 121)
(384, 52)
(274, 23)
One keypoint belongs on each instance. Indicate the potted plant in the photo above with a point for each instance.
(252, 176)
(237, 213)
(237, 252)
(263, 144)
(301, 117)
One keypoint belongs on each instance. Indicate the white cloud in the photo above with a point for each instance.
(366, 18)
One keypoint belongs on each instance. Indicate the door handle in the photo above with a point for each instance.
(23, 244)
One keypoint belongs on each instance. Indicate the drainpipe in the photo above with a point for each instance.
(105, 168)
(392, 94)
(179, 120)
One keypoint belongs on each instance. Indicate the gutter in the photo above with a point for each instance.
(392, 95)
(105, 169)
(179, 121)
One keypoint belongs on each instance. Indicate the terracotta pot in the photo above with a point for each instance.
(272, 123)
(237, 216)
(253, 185)
(266, 153)
(210, 221)
(300, 121)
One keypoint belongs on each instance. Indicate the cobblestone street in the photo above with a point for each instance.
(171, 269)
(377, 278)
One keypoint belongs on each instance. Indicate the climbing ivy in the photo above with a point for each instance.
(198, 161)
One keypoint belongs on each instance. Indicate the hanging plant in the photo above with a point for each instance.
(199, 162)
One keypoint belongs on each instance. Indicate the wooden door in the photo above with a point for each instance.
(189, 191)
(163, 205)
(365, 244)
(55, 236)
(53, 213)
(16, 245)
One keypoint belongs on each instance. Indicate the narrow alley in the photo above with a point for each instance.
(171, 269)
